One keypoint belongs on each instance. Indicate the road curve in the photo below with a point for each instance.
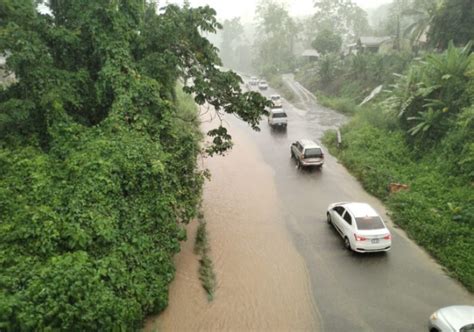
(396, 291)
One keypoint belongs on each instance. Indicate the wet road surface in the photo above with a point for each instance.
(394, 291)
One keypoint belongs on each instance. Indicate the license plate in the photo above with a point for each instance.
(375, 240)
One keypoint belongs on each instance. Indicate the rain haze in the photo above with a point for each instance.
(246, 8)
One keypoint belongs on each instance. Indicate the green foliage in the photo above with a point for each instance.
(452, 22)
(276, 82)
(276, 38)
(206, 268)
(344, 17)
(98, 156)
(327, 41)
(232, 31)
(343, 83)
(423, 13)
(430, 96)
(345, 105)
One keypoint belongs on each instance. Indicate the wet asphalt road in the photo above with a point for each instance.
(394, 291)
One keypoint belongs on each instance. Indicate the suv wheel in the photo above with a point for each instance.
(329, 219)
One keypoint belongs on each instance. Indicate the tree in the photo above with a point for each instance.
(327, 41)
(232, 31)
(342, 16)
(276, 37)
(453, 21)
(429, 98)
(423, 13)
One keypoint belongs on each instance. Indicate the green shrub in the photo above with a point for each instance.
(89, 230)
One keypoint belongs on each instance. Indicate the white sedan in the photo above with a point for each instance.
(456, 318)
(362, 229)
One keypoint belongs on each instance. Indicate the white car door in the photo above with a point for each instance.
(336, 217)
(347, 225)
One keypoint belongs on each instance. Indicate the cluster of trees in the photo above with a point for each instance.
(98, 156)
(426, 23)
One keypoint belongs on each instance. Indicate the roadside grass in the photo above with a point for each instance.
(437, 211)
(278, 84)
(343, 104)
(206, 267)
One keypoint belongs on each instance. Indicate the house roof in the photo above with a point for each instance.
(310, 52)
(373, 41)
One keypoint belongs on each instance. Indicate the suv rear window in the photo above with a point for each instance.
(313, 153)
(279, 115)
(367, 223)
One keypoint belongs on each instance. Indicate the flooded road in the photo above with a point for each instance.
(279, 265)
(262, 281)
(396, 291)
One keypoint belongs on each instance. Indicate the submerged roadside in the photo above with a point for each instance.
(262, 281)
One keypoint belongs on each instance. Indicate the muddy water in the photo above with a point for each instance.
(262, 280)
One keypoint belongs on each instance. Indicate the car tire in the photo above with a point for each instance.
(328, 219)
(347, 243)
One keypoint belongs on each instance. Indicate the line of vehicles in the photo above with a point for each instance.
(359, 225)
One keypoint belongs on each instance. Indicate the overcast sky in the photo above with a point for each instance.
(246, 8)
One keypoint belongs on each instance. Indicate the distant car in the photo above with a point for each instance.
(361, 227)
(276, 100)
(307, 153)
(456, 318)
(263, 85)
(277, 118)
(253, 81)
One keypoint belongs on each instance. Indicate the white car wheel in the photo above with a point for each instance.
(347, 243)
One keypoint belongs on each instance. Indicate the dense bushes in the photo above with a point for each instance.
(342, 81)
(88, 234)
(379, 148)
(98, 156)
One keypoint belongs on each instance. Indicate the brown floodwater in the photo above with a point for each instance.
(262, 281)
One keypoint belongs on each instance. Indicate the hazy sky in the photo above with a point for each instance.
(246, 8)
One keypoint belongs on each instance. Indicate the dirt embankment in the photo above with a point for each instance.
(262, 282)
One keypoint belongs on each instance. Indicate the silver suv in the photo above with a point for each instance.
(277, 117)
(307, 153)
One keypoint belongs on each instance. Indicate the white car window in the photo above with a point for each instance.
(347, 217)
(339, 210)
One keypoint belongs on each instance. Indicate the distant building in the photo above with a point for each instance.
(372, 44)
(310, 54)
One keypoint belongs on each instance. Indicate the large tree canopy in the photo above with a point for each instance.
(276, 37)
(453, 21)
(342, 16)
